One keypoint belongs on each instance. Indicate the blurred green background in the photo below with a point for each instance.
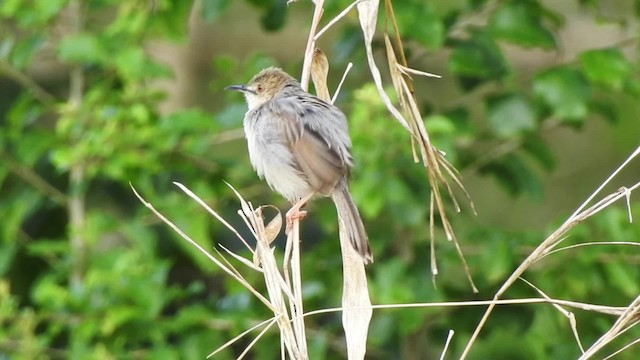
(537, 104)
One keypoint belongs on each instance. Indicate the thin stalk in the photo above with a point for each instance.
(77, 174)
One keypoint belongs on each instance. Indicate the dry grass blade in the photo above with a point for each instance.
(213, 213)
(226, 269)
(433, 160)
(568, 314)
(609, 310)
(311, 44)
(344, 76)
(296, 307)
(627, 320)
(635, 342)
(627, 195)
(368, 16)
(248, 263)
(606, 181)
(431, 157)
(589, 244)
(336, 19)
(432, 241)
(270, 322)
(254, 341)
(406, 71)
(355, 290)
(293, 344)
(446, 344)
(548, 244)
(356, 304)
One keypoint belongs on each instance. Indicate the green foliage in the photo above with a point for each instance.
(477, 59)
(520, 22)
(74, 141)
(564, 92)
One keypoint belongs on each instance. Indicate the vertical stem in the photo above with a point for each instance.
(297, 311)
(311, 44)
(77, 185)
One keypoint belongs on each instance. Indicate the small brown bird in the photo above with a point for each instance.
(300, 145)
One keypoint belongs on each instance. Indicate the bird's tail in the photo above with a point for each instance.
(350, 222)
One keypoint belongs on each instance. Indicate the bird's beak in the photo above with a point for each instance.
(242, 88)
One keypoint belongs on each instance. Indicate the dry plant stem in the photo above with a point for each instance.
(406, 71)
(569, 315)
(297, 308)
(175, 228)
(627, 320)
(432, 159)
(432, 242)
(545, 247)
(276, 286)
(356, 304)
(344, 76)
(215, 214)
(635, 342)
(535, 255)
(274, 282)
(269, 323)
(254, 341)
(355, 293)
(613, 174)
(446, 344)
(311, 45)
(368, 15)
(336, 19)
(602, 309)
(607, 243)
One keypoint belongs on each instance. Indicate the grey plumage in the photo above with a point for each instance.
(300, 145)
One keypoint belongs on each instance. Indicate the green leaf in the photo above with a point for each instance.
(606, 109)
(210, 10)
(607, 67)
(9, 8)
(460, 119)
(130, 63)
(423, 23)
(539, 151)
(275, 16)
(513, 173)
(478, 59)
(439, 125)
(24, 50)
(497, 259)
(510, 115)
(7, 255)
(81, 48)
(520, 23)
(47, 9)
(565, 92)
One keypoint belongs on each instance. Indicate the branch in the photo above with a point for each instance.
(38, 92)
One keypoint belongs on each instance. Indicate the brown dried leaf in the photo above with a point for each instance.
(319, 73)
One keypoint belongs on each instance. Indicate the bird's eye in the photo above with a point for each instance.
(259, 88)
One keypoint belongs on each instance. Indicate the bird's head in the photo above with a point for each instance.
(264, 86)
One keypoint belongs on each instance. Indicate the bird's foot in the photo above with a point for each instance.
(294, 214)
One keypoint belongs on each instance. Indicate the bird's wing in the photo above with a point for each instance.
(317, 134)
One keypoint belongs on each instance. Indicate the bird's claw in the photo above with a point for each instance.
(294, 214)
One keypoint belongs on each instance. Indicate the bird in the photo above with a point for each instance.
(300, 145)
